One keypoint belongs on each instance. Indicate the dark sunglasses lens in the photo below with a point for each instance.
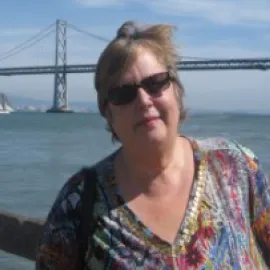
(127, 93)
(122, 95)
(157, 83)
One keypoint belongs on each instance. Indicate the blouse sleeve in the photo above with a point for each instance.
(58, 247)
(259, 204)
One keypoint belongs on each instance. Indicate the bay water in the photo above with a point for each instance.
(39, 152)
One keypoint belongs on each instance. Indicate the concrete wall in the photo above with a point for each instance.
(19, 234)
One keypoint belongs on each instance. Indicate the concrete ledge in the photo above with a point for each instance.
(19, 234)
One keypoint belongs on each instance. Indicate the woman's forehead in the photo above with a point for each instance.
(144, 65)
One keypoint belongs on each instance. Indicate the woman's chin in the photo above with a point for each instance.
(152, 136)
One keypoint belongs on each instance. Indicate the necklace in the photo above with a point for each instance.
(189, 225)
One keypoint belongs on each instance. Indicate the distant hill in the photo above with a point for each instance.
(18, 101)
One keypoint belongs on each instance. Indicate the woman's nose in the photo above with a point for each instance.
(143, 97)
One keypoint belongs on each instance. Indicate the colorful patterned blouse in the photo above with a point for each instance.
(231, 230)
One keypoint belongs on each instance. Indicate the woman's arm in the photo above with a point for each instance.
(260, 207)
(59, 244)
(259, 203)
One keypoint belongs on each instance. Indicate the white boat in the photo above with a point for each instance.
(5, 106)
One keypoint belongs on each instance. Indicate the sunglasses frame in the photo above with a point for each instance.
(133, 89)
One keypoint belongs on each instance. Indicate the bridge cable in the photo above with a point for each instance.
(196, 58)
(26, 46)
(25, 42)
(88, 33)
(9, 52)
(108, 40)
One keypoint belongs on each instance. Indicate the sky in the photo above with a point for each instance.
(205, 28)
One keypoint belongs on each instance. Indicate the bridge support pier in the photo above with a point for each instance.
(60, 98)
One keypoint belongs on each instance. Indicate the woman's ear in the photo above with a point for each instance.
(109, 118)
(108, 115)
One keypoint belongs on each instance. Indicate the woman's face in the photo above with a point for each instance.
(146, 114)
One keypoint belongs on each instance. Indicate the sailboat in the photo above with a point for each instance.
(5, 106)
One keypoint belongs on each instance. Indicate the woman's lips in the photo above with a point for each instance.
(147, 121)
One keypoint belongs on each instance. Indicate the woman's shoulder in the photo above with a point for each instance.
(68, 201)
(219, 144)
(227, 150)
(73, 187)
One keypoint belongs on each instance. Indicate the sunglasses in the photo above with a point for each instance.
(153, 85)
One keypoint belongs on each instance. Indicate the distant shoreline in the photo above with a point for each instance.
(190, 113)
(24, 104)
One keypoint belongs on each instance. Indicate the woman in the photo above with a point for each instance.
(163, 200)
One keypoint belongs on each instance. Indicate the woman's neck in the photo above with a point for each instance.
(154, 177)
(150, 163)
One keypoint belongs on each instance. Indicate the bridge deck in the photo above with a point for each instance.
(219, 64)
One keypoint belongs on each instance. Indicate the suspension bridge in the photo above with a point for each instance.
(60, 69)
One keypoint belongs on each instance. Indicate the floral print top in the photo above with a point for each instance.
(232, 229)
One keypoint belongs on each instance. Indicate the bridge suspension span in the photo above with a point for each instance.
(60, 69)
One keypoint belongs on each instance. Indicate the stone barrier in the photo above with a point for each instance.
(19, 234)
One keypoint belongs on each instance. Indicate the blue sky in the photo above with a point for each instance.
(206, 28)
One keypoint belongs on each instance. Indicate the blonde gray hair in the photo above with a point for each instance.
(121, 53)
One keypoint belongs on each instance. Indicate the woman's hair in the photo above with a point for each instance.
(122, 51)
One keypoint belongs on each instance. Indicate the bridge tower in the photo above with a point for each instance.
(60, 97)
